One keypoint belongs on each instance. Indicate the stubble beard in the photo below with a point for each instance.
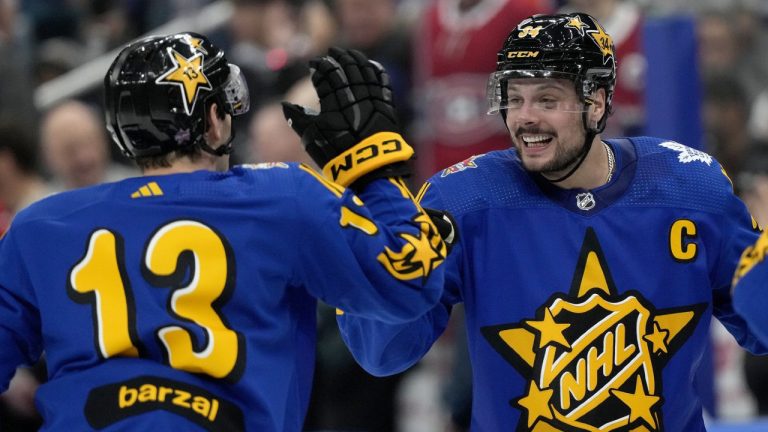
(563, 159)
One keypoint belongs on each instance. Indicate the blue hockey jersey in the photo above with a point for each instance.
(187, 301)
(586, 310)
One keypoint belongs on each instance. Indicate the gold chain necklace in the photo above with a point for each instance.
(611, 161)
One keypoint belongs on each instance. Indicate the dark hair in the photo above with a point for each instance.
(21, 145)
(193, 152)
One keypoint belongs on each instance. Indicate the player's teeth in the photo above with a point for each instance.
(535, 140)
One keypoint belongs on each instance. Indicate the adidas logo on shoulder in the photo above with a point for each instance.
(148, 190)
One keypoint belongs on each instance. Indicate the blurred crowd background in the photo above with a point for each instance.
(54, 53)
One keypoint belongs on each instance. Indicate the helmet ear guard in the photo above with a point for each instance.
(158, 89)
(597, 79)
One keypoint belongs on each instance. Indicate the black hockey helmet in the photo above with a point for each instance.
(570, 46)
(158, 88)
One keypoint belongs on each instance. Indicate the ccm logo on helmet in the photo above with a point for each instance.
(522, 54)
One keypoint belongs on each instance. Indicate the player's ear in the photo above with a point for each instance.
(214, 123)
(597, 106)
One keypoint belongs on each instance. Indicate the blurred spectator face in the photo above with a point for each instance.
(74, 144)
(365, 22)
(271, 139)
(269, 23)
(718, 44)
(18, 174)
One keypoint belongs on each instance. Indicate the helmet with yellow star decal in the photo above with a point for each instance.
(158, 89)
(566, 46)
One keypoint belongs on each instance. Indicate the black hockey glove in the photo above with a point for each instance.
(355, 137)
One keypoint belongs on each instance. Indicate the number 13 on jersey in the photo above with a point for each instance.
(181, 252)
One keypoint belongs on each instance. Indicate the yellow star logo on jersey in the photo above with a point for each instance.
(536, 403)
(658, 338)
(188, 75)
(594, 356)
(640, 403)
(549, 330)
(603, 40)
(577, 23)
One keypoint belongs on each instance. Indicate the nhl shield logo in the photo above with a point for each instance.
(593, 358)
(603, 353)
(585, 201)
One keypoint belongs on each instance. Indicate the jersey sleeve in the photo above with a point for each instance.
(750, 293)
(19, 317)
(377, 255)
(739, 232)
(384, 348)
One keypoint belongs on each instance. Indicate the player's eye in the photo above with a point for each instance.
(547, 104)
(514, 102)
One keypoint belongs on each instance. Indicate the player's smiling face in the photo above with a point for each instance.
(545, 119)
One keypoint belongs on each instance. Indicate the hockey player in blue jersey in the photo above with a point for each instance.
(185, 299)
(589, 268)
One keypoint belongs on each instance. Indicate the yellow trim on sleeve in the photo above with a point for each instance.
(422, 192)
(333, 187)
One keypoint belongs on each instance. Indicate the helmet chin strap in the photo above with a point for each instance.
(579, 159)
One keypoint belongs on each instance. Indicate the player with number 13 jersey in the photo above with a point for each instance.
(187, 300)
